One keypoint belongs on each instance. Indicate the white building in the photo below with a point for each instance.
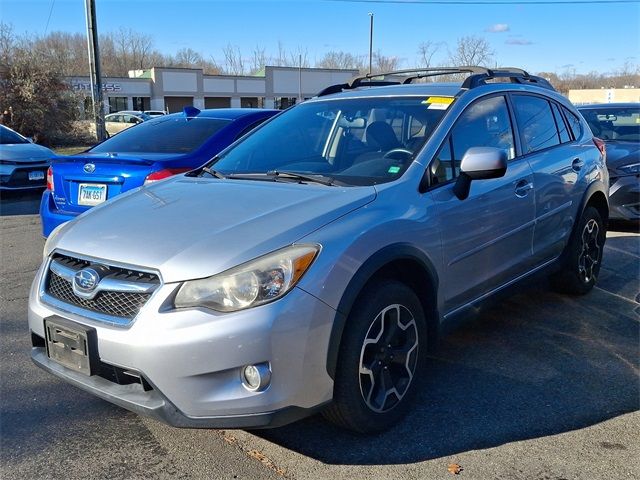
(171, 89)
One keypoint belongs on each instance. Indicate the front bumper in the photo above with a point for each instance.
(154, 405)
(191, 360)
(624, 198)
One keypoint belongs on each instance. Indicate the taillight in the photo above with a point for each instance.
(164, 173)
(601, 146)
(50, 178)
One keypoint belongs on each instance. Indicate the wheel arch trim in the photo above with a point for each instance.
(375, 264)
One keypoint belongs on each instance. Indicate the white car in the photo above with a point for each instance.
(117, 122)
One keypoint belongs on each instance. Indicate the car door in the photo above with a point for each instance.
(557, 163)
(112, 123)
(486, 237)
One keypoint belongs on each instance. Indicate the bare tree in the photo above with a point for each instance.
(32, 87)
(344, 60)
(281, 59)
(472, 50)
(298, 58)
(426, 52)
(187, 57)
(258, 59)
(234, 63)
(7, 42)
(383, 63)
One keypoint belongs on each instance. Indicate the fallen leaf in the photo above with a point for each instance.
(454, 468)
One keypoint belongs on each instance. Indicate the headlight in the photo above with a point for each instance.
(631, 169)
(254, 283)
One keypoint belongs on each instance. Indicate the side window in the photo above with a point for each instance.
(535, 121)
(562, 127)
(574, 123)
(442, 165)
(485, 123)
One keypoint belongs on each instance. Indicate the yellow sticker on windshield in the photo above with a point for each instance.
(447, 100)
(438, 103)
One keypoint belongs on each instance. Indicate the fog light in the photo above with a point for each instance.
(256, 377)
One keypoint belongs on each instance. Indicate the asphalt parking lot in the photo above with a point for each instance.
(537, 386)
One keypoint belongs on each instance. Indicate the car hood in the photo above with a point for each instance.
(25, 152)
(191, 228)
(622, 153)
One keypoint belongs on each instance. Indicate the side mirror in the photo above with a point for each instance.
(479, 163)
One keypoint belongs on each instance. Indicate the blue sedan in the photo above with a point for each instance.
(148, 152)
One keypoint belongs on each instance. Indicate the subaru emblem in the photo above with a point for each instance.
(89, 167)
(86, 280)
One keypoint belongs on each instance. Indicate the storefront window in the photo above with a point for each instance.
(117, 104)
(141, 103)
(282, 103)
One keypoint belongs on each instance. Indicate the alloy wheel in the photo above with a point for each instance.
(590, 251)
(388, 358)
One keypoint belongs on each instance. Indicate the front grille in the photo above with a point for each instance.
(117, 304)
(124, 305)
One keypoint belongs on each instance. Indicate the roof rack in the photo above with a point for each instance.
(477, 76)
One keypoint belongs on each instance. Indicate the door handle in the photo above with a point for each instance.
(577, 164)
(523, 187)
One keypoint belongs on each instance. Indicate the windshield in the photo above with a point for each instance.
(614, 123)
(169, 134)
(361, 141)
(9, 137)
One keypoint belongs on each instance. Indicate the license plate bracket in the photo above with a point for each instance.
(91, 194)
(71, 345)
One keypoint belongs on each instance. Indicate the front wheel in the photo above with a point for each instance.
(583, 255)
(380, 359)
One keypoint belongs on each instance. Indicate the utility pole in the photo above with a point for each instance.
(299, 78)
(370, 41)
(95, 76)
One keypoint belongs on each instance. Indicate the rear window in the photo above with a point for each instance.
(614, 123)
(9, 137)
(163, 135)
(536, 123)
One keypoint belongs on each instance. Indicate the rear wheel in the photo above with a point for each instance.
(583, 256)
(380, 359)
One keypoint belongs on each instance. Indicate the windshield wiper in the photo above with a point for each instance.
(316, 178)
(212, 172)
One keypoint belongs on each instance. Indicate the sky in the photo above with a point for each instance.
(573, 38)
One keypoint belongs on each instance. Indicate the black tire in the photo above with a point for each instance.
(582, 258)
(359, 402)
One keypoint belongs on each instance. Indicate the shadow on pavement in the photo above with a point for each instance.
(20, 202)
(534, 365)
(624, 226)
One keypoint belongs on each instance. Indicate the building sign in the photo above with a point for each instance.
(106, 87)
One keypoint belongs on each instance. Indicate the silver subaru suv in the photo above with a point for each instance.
(312, 264)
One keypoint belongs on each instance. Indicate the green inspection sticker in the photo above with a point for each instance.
(393, 169)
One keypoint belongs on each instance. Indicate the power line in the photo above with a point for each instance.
(53, 2)
(490, 2)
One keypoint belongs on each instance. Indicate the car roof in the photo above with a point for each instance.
(229, 113)
(449, 89)
(613, 105)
